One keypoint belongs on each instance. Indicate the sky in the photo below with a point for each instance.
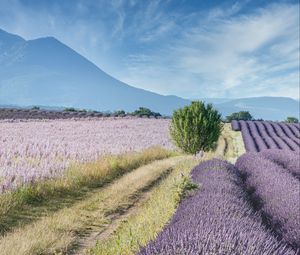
(189, 48)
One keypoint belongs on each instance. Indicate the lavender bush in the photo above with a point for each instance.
(216, 220)
(295, 128)
(289, 132)
(262, 135)
(256, 134)
(34, 150)
(250, 143)
(235, 125)
(271, 143)
(288, 159)
(277, 193)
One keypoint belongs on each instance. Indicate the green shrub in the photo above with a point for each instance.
(242, 115)
(291, 120)
(142, 111)
(70, 109)
(184, 188)
(196, 127)
(119, 113)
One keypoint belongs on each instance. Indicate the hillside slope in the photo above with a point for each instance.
(268, 108)
(46, 72)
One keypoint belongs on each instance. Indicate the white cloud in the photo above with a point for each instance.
(245, 55)
(222, 52)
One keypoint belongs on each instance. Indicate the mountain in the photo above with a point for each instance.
(267, 108)
(46, 72)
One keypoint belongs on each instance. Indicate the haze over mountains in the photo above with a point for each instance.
(47, 72)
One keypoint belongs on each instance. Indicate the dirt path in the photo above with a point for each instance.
(73, 229)
(89, 240)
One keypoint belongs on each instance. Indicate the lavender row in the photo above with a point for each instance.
(217, 219)
(285, 133)
(249, 140)
(262, 135)
(235, 125)
(287, 159)
(295, 127)
(276, 193)
(279, 138)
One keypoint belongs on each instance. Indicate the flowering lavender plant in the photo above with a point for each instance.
(35, 150)
(216, 220)
(263, 135)
(276, 193)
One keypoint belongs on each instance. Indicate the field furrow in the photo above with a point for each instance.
(264, 135)
(217, 220)
(275, 193)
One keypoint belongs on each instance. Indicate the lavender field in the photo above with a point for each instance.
(33, 150)
(219, 219)
(251, 207)
(262, 135)
(275, 192)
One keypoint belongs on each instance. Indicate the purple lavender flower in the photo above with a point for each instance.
(216, 220)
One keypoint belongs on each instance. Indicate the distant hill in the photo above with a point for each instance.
(47, 73)
(267, 108)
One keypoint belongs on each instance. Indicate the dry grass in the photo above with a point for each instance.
(150, 217)
(235, 143)
(230, 145)
(32, 201)
(59, 232)
(59, 216)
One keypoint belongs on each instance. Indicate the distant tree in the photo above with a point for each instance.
(70, 109)
(35, 108)
(119, 113)
(196, 127)
(291, 120)
(242, 115)
(106, 114)
(143, 111)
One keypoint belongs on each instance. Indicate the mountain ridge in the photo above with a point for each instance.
(45, 71)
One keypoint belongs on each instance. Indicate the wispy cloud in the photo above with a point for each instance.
(250, 54)
(231, 50)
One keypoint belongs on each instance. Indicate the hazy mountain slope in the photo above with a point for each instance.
(268, 108)
(46, 72)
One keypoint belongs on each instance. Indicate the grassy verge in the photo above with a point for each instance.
(63, 230)
(32, 201)
(235, 143)
(230, 145)
(152, 216)
(149, 218)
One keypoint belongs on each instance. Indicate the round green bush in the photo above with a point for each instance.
(196, 127)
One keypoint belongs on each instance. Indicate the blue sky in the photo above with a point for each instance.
(187, 48)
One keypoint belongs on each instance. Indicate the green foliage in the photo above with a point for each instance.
(291, 120)
(70, 109)
(35, 108)
(242, 115)
(142, 111)
(196, 127)
(184, 188)
(119, 113)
